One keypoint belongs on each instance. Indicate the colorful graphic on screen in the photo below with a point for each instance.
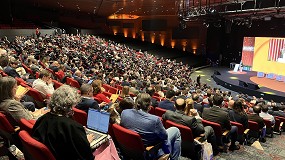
(264, 54)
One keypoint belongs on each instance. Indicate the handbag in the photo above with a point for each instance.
(207, 151)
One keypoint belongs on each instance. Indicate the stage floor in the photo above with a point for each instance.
(267, 86)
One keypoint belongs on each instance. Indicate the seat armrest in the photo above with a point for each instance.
(200, 139)
(16, 129)
(246, 131)
(226, 133)
(149, 148)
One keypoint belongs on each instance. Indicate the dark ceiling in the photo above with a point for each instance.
(106, 8)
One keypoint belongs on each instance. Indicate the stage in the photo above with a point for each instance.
(247, 82)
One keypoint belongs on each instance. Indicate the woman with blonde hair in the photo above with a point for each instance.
(189, 109)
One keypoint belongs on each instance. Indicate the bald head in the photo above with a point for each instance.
(180, 104)
(231, 104)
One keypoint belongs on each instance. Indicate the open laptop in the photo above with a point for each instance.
(97, 124)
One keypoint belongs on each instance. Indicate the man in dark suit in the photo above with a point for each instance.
(218, 115)
(168, 104)
(87, 100)
(197, 104)
(11, 69)
(256, 118)
(194, 124)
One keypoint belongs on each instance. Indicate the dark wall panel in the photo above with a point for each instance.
(154, 25)
(188, 33)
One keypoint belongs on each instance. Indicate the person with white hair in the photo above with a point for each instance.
(65, 138)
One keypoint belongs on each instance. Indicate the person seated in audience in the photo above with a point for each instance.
(117, 108)
(194, 124)
(10, 67)
(87, 100)
(133, 88)
(125, 92)
(10, 103)
(150, 91)
(78, 77)
(189, 109)
(197, 104)
(54, 66)
(167, 103)
(265, 115)
(65, 138)
(44, 84)
(150, 127)
(61, 71)
(237, 114)
(97, 87)
(125, 81)
(256, 118)
(278, 111)
(218, 115)
(158, 90)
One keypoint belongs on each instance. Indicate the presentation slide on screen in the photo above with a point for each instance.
(264, 54)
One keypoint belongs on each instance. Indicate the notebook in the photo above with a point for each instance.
(114, 97)
(97, 124)
(21, 91)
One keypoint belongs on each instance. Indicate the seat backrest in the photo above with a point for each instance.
(80, 116)
(129, 141)
(159, 111)
(253, 126)
(27, 69)
(157, 98)
(107, 94)
(119, 87)
(5, 125)
(35, 148)
(72, 82)
(113, 90)
(56, 84)
(186, 132)
(27, 125)
(239, 126)
(35, 94)
(106, 87)
(58, 76)
(216, 126)
(267, 123)
(151, 110)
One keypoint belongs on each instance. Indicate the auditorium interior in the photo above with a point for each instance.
(206, 48)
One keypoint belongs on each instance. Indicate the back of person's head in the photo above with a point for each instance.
(256, 109)
(86, 89)
(150, 91)
(237, 107)
(169, 94)
(4, 60)
(143, 101)
(125, 90)
(217, 99)
(77, 73)
(210, 99)
(180, 104)
(231, 104)
(8, 87)
(44, 73)
(63, 99)
(264, 108)
(126, 103)
(97, 84)
(195, 97)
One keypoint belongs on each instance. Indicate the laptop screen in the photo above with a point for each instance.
(98, 121)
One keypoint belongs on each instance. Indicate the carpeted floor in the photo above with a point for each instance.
(274, 149)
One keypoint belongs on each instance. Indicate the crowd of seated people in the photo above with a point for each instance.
(146, 81)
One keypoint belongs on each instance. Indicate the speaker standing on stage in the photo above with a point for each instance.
(199, 80)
